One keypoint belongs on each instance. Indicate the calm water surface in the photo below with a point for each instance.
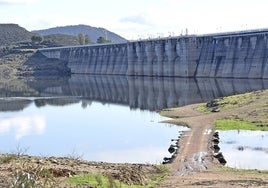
(98, 132)
(112, 118)
(245, 149)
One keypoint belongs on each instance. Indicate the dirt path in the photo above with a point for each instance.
(195, 155)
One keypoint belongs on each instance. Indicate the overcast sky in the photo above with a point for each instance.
(134, 19)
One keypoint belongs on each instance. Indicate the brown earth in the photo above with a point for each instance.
(15, 170)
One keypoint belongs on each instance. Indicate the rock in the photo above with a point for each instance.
(212, 104)
(216, 135)
(220, 158)
(218, 155)
(171, 149)
(216, 141)
(222, 161)
(215, 110)
(240, 148)
(216, 148)
(54, 161)
(169, 159)
(57, 172)
(40, 161)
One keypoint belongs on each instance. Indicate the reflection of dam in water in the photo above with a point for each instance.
(152, 93)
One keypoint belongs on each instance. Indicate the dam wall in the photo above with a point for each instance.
(227, 55)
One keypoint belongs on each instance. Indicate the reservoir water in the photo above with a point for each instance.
(96, 132)
(102, 118)
(245, 149)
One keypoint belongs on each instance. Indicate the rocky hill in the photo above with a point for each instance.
(13, 33)
(93, 32)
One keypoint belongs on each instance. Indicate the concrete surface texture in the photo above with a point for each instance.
(226, 55)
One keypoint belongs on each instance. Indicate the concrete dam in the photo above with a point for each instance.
(224, 55)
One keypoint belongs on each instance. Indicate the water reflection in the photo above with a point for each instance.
(23, 125)
(245, 149)
(100, 132)
(146, 93)
(101, 117)
(153, 93)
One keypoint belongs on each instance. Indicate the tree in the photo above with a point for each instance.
(37, 39)
(81, 38)
(102, 40)
(87, 40)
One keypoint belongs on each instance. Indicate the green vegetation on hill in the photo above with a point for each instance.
(14, 36)
(60, 40)
(93, 32)
(102, 40)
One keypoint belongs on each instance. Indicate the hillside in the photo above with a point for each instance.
(13, 33)
(60, 40)
(93, 32)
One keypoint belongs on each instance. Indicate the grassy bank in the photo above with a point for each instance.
(255, 117)
(18, 170)
(103, 181)
(232, 124)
